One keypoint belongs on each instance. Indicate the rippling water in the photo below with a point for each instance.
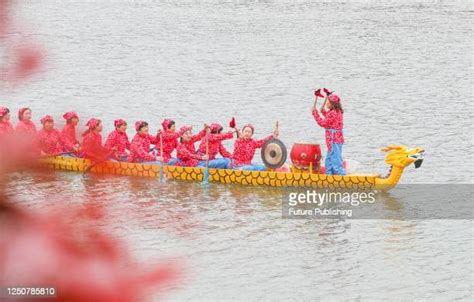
(403, 70)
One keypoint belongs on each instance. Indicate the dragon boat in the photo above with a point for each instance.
(398, 158)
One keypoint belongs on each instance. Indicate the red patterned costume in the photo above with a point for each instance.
(51, 141)
(214, 141)
(244, 148)
(333, 124)
(170, 140)
(119, 140)
(333, 119)
(140, 146)
(92, 142)
(25, 127)
(5, 126)
(69, 130)
(186, 152)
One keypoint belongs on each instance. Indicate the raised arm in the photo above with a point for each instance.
(321, 122)
(154, 140)
(220, 137)
(259, 143)
(168, 135)
(223, 151)
(323, 107)
(199, 136)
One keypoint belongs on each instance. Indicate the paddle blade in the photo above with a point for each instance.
(205, 179)
(232, 123)
(162, 175)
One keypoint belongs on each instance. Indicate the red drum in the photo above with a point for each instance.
(303, 155)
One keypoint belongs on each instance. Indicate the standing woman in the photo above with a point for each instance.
(25, 126)
(69, 130)
(213, 144)
(118, 139)
(140, 146)
(5, 125)
(92, 141)
(245, 146)
(170, 140)
(49, 140)
(333, 122)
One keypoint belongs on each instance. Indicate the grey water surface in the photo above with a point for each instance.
(402, 68)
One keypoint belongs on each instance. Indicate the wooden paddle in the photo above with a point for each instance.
(162, 175)
(56, 154)
(98, 162)
(205, 179)
(315, 101)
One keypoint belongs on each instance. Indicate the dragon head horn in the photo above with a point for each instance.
(393, 147)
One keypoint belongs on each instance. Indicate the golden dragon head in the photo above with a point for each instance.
(402, 156)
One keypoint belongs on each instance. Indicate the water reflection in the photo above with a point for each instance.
(241, 222)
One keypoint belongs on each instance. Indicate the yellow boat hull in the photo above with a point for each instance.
(398, 157)
(256, 178)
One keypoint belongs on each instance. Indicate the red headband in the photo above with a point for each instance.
(166, 124)
(215, 127)
(118, 123)
(334, 98)
(70, 115)
(185, 128)
(21, 111)
(46, 118)
(92, 123)
(4, 111)
(250, 126)
(139, 124)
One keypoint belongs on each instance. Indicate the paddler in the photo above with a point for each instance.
(25, 126)
(6, 127)
(118, 139)
(69, 130)
(169, 137)
(332, 121)
(212, 145)
(140, 146)
(186, 152)
(245, 146)
(92, 141)
(25, 131)
(49, 140)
